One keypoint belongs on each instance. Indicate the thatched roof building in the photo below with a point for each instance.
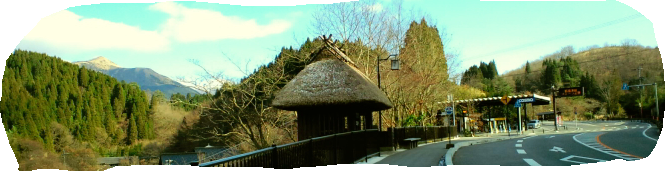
(331, 82)
(331, 95)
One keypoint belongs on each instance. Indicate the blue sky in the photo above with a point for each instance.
(165, 36)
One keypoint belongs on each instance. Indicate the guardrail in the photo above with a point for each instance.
(341, 148)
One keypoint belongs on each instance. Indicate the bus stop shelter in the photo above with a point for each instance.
(533, 99)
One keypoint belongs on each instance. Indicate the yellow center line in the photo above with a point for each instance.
(601, 143)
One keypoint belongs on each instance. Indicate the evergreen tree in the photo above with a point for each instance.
(83, 77)
(550, 76)
(132, 131)
(591, 89)
(571, 72)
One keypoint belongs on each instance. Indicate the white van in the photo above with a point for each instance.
(533, 124)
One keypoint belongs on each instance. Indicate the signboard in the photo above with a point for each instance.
(575, 109)
(527, 100)
(505, 99)
(569, 92)
(624, 87)
(518, 104)
(449, 110)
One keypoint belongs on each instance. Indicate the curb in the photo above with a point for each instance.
(401, 150)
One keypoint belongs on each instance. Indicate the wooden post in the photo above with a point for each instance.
(275, 158)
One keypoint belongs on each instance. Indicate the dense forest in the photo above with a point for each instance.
(57, 104)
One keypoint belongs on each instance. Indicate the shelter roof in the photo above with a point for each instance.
(496, 101)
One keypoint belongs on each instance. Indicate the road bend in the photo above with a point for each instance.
(596, 142)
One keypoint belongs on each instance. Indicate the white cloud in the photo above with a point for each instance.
(192, 25)
(376, 7)
(65, 30)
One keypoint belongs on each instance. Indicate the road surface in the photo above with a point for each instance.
(594, 142)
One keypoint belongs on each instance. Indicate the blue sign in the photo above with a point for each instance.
(625, 86)
(518, 104)
(527, 100)
(449, 110)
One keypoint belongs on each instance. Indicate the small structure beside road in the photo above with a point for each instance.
(331, 96)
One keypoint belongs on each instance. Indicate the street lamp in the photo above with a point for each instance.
(394, 65)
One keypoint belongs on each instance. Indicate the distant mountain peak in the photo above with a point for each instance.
(147, 78)
(99, 62)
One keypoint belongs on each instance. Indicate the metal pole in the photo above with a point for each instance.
(505, 123)
(519, 120)
(526, 117)
(452, 98)
(378, 77)
(655, 87)
(449, 133)
(556, 124)
(639, 76)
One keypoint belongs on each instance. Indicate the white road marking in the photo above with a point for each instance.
(578, 162)
(531, 162)
(519, 141)
(518, 145)
(589, 140)
(520, 151)
(528, 137)
(645, 134)
(557, 149)
(550, 136)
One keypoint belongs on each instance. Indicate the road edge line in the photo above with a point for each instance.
(608, 147)
(645, 133)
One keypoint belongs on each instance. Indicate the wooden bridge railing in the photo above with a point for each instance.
(342, 148)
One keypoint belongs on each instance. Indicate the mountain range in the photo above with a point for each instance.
(147, 78)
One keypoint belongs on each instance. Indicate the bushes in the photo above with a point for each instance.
(31, 155)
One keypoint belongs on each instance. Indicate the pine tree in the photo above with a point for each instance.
(132, 131)
(83, 77)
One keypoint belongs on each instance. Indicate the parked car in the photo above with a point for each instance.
(534, 124)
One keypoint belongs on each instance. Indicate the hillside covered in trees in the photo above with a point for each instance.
(60, 107)
(601, 71)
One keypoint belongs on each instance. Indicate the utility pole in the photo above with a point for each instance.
(655, 87)
(556, 118)
(639, 76)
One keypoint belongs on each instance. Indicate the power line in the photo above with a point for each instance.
(593, 60)
(628, 18)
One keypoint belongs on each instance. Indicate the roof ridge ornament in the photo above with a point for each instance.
(330, 46)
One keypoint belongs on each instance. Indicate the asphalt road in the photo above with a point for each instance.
(594, 142)
(422, 156)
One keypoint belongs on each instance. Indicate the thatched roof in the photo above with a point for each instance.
(331, 83)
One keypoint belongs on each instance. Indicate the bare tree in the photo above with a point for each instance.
(240, 112)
